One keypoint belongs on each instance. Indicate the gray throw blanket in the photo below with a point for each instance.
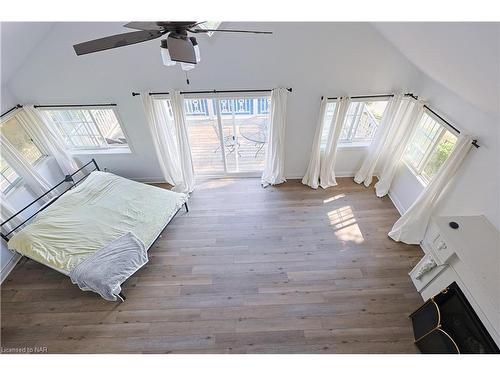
(104, 271)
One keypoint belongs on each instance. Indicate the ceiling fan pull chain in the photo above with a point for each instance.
(187, 78)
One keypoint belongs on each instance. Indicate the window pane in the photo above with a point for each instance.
(369, 120)
(426, 133)
(107, 123)
(245, 124)
(8, 177)
(87, 128)
(439, 154)
(353, 114)
(327, 121)
(203, 132)
(362, 120)
(21, 141)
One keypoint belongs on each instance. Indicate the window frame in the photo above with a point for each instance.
(14, 184)
(106, 149)
(418, 171)
(216, 96)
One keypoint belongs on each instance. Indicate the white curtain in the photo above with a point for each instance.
(410, 228)
(398, 136)
(33, 180)
(311, 178)
(46, 138)
(186, 162)
(162, 129)
(274, 163)
(328, 158)
(379, 143)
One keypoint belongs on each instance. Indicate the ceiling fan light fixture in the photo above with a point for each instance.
(165, 54)
(186, 67)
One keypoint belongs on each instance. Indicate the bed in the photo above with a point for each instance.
(87, 217)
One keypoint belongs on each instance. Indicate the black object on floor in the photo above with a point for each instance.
(447, 323)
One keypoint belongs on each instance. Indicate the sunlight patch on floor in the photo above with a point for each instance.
(335, 197)
(344, 223)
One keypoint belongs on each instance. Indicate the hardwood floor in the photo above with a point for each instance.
(285, 269)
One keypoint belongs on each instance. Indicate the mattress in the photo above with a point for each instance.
(85, 219)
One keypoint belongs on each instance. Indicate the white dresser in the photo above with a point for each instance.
(469, 255)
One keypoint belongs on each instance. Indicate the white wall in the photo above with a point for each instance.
(314, 59)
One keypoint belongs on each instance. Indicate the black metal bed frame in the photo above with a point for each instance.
(69, 178)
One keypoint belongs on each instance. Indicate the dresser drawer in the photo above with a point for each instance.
(438, 245)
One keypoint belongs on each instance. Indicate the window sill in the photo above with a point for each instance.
(348, 145)
(107, 151)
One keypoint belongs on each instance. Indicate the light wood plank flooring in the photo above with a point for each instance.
(285, 269)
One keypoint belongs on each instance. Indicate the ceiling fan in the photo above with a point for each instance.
(177, 47)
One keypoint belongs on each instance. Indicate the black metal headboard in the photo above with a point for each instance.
(68, 178)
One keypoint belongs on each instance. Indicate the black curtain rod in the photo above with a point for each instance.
(12, 109)
(208, 92)
(74, 105)
(474, 141)
(363, 96)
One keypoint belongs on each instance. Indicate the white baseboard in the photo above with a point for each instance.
(397, 203)
(293, 176)
(9, 266)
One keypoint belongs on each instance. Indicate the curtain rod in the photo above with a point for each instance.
(363, 96)
(74, 105)
(12, 109)
(209, 92)
(474, 141)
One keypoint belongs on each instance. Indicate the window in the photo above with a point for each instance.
(210, 25)
(17, 136)
(430, 146)
(361, 122)
(88, 128)
(8, 177)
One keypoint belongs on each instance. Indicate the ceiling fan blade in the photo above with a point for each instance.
(143, 26)
(115, 41)
(229, 31)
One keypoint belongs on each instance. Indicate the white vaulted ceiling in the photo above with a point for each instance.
(18, 40)
(463, 57)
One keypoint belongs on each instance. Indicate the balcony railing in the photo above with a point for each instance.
(240, 107)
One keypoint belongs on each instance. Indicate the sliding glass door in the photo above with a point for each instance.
(203, 131)
(228, 134)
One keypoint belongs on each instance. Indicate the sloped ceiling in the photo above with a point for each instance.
(18, 39)
(463, 57)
